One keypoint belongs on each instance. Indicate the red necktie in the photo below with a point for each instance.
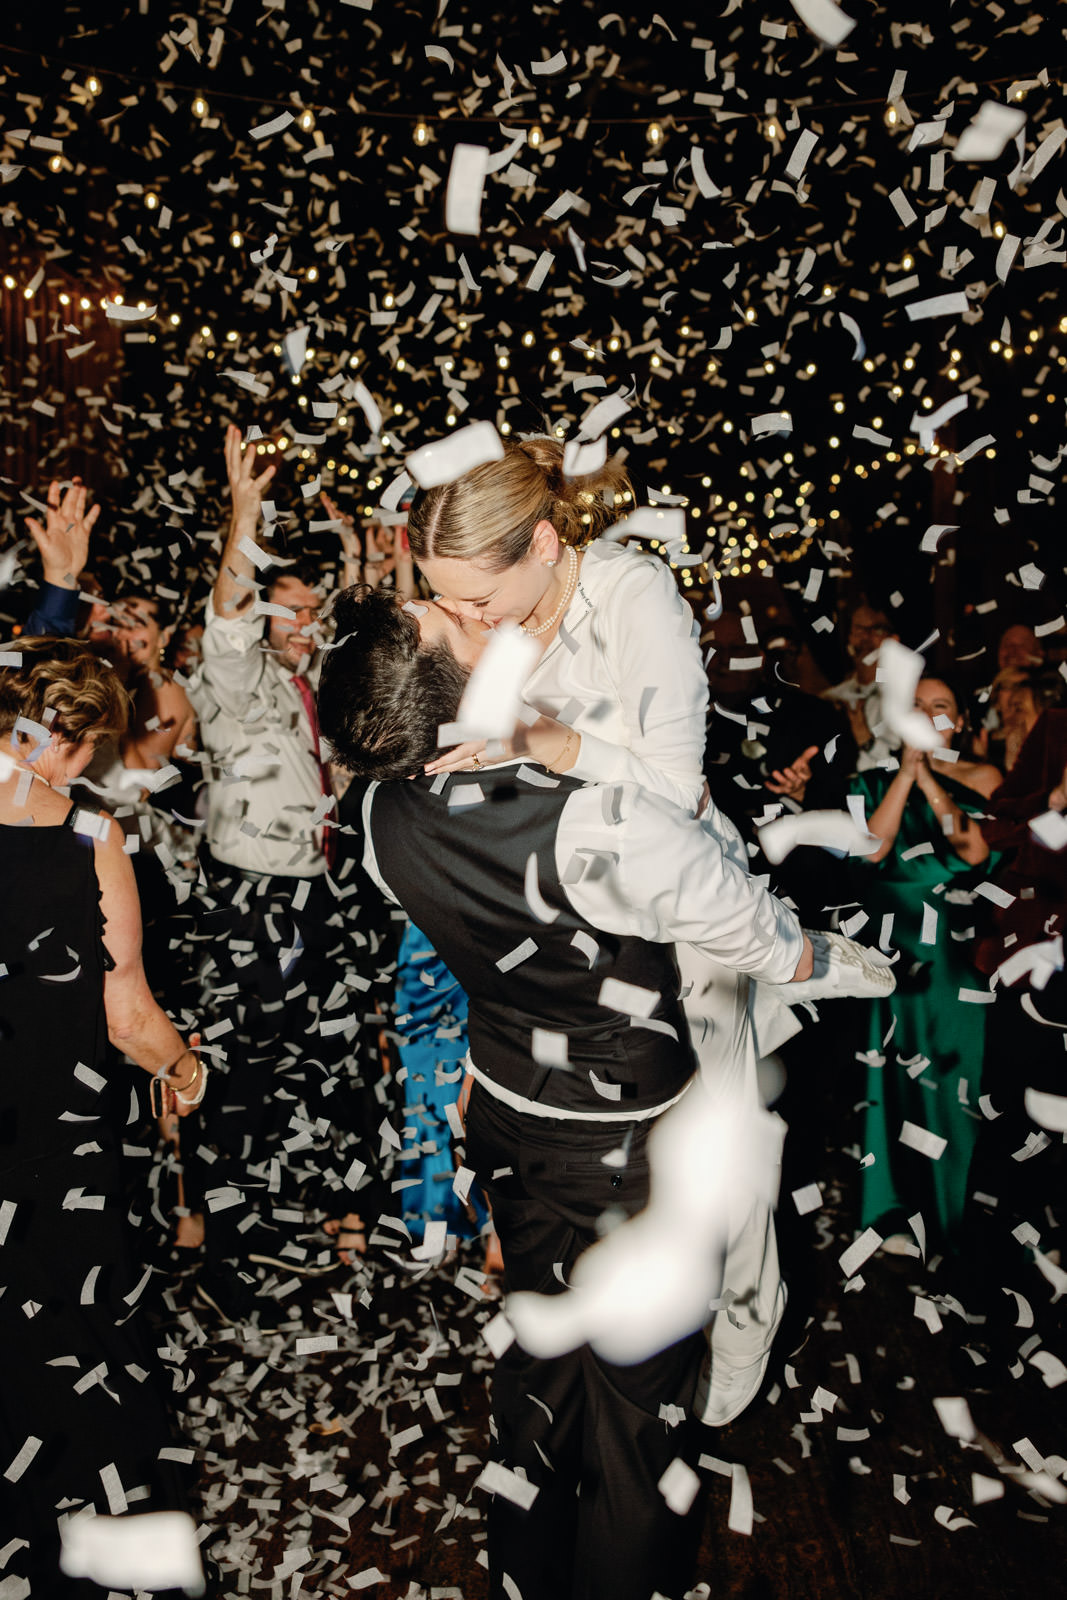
(303, 688)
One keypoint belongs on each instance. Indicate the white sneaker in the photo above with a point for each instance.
(843, 970)
(727, 1387)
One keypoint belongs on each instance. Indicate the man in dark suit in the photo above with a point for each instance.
(556, 906)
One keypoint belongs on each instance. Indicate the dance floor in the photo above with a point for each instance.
(346, 1447)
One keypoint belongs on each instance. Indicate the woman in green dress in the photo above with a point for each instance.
(925, 1044)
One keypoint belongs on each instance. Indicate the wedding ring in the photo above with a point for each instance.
(476, 764)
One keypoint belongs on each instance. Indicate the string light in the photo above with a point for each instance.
(312, 274)
(655, 133)
(9, 282)
(151, 200)
(237, 239)
(93, 85)
(199, 106)
(422, 132)
(307, 121)
(536, 135)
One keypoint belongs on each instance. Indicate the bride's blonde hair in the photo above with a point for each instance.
(488, 515)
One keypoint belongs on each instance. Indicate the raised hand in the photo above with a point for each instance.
(792, 781)
(350, 541)
(246, 485)
(63, 539)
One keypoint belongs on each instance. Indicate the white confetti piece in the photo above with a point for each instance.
(22, 1460)
(498, 1334)
(466, 181)
(939, 305)
(859, 1251)
(926, 1312)
(1047, 1110)
(834, 830)
(629, 998)
(156, 1550)
(984, 1489)
(499, 1479)
(534, 898)
(492, 701)
(549, 1049)
(899, 670)
(740, 1517)
(826, 20)
(922, 1140)
(771, 422)
(448, 459)
(679, 1485)
(117, 313)
(988, 132)
(809, 1198)
(1050, 829)
(955, 1417)
(522, 952)
(266, 130)
(316, 1344)
(934, 533)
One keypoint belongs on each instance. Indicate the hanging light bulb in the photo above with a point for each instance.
(307, 120)
(312, 274)
(536, 135)
(151, 200)
(422, 132)
(237, 239)
(93, 85)
(655, 133)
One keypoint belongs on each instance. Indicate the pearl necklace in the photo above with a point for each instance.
(568, 591)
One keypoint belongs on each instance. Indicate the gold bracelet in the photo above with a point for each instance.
(188, 1051)
(562, 755)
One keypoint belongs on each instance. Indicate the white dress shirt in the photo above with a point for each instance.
(265, 799)
(625, 672)
(660, 875)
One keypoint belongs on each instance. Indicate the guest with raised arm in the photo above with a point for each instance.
(278, 949)
(63, 542)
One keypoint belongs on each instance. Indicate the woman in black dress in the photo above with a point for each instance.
(82, 1417)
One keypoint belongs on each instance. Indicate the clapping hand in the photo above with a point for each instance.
(63, 539)
(792, 781)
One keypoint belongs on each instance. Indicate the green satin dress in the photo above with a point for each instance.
(925, 1044)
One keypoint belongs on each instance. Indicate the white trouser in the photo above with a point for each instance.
(727, 1013)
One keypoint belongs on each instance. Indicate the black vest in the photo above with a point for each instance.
(459, 871)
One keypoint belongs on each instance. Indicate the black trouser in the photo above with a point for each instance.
(598, 1425)
(1021, 1053)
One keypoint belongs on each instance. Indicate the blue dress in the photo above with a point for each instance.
(432, 1024)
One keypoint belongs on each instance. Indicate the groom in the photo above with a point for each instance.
(556, 907)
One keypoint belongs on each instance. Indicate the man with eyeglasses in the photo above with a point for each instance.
(860, 694)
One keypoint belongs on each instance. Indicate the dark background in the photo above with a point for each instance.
(130, 170)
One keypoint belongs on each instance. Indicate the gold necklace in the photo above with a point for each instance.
(568, 591)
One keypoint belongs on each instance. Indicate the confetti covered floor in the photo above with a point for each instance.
(330, 1472)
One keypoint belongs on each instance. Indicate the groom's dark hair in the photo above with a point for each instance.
(382, 694)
